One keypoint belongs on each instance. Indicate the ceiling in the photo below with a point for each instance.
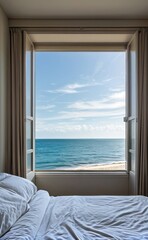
(76, 9)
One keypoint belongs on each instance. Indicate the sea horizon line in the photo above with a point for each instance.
(79, 138)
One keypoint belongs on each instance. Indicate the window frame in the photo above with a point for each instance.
(86, 47)
(29, 118)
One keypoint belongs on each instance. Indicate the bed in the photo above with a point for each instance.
(26, 213)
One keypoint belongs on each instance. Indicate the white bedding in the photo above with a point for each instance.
(28, 225)
(96, 217)
(12, 207)
(83, 218)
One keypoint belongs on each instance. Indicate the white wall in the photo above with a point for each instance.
(83, 183)
(3, 81)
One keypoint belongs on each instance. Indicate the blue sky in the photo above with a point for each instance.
(80, 94)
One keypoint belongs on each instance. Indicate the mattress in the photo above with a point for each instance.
(82, 218)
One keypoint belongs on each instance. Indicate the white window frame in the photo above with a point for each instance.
(31, 118)
(85, 47)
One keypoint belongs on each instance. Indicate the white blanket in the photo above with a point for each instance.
(83, 218)
(96, 217)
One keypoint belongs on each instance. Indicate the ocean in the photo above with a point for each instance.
(63, 154)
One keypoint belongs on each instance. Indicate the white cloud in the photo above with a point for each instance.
(114, 101)
(76, 127)
(78, 115)
(113, 106)
(96, 105)
(47, 130)
(115, 89)
(73, 88)
(118, 96)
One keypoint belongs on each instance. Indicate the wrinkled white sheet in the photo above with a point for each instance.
(95, 217)
(83, 218)
(27, 226)
(12, 207)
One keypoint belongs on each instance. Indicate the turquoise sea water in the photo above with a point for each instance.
(68, 153)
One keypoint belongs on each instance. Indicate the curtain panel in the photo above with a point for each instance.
(142, 158)
(16, 163)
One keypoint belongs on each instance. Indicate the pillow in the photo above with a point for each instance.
(19, 185)
(3, 175)
(12, 207)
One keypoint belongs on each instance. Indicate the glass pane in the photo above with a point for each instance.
(28, 79)
(132, 94)
(29, 162)
(132, 159)
(29, 134)
(132, 134)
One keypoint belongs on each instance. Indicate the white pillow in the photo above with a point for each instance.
(19, 185)
(12, 207)
(3, 175)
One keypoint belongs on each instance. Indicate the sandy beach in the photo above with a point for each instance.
(110, 167)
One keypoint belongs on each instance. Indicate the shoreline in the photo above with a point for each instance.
(110, 167)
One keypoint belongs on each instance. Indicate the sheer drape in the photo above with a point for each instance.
(142, 166)
(16, 107)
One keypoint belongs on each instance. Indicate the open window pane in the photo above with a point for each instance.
(29, 136)
(28, 79)
(29, 90)
(132, 85)
(80, 105)
(29, 162)
(132, 134)
(132, 77)
(28, 84)
(132, 157)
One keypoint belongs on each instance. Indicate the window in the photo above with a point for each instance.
(29, 105)
(80, 105)
(81, 101)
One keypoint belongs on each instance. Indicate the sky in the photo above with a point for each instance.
(80, 94)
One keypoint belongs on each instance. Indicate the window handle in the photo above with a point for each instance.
(125, 119)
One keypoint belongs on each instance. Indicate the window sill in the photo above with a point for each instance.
(65, 172)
